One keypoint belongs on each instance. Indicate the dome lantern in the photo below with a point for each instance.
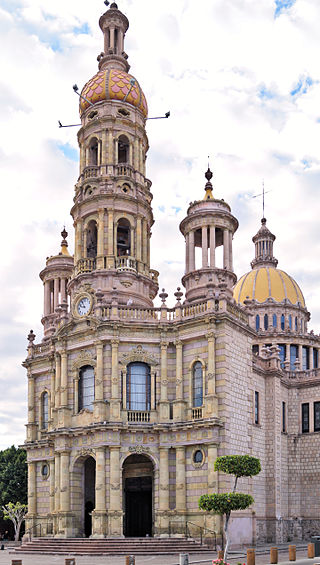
(263, 241)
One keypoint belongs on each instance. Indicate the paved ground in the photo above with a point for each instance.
(261, 559)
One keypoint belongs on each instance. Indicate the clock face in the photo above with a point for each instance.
(83, 306)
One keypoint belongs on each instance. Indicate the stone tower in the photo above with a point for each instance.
(112, 204)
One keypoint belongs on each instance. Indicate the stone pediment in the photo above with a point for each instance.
(138, 354)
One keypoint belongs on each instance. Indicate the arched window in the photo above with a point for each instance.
(93, 152)
(123, 238)
(86, 387)
(282, 321)
(138, 386)
(44, 411)
(92, 237)
(296, 323)
(290, 322)
(257, 322)
(266, 321)
(274, 320)
(123, 149)
(197, 385)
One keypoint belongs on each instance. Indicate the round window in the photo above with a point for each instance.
(45, 471)
(198, 456)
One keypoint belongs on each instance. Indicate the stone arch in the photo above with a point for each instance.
(138, 486)
(82, 490)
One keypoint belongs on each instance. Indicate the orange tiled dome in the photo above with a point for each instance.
(113, 84)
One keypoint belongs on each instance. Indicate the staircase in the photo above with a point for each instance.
(112, 546)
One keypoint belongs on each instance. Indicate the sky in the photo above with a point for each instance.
(241, 80)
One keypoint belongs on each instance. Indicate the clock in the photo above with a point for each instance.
(83, 306)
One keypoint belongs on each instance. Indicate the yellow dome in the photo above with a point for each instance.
(113, 84)
(267, 282)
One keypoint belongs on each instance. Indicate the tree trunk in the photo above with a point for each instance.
(227, 537)
(17, 532)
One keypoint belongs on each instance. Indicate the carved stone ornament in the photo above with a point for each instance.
(164, 487)
(84, 357)
(115, 486)
(139, 354)
(138, 449)
(85, 451)
(126, 284)
(210, 376)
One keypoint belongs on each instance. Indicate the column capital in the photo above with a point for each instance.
(210, 335)
(163, 344)
(115, 342)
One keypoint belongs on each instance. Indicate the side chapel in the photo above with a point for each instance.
(129, 405)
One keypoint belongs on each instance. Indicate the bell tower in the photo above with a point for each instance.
(112, 204)
(209, 225)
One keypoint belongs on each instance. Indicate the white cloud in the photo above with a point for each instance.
(207, 63)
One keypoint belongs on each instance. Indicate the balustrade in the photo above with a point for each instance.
(126, 263)
(143, 417)
(196, 413)
(86, 265)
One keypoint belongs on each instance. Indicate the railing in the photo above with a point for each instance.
(194, 309)
(126, 263)
(196, 413)
(41, 348)
(139, 313)
(36, 528)
(193, 531)
(90, 172)
(86, 265)
(124, 171)
(134, 416)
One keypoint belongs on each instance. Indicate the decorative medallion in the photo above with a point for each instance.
(140, 355)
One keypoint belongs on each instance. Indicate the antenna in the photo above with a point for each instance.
(167, 115)
(76, 88)
(263, 196)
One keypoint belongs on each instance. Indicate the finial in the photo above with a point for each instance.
(208, 187)
(64, 234)
(113, 6)
(163, 295)
(178, 294)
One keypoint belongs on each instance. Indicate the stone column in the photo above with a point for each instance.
(64, 482)
(115, 394)
(99, 404)
(110, 148)
(63, 287)
(85, 238)
(64, 410)
(115, 513)
(136, 154)
(164, 404)
(112, 46)
(192, 261)
(226, 249)
(145, 242)
(100, 245)
(164, 491)
(56, 293)
(78, 242)
(311, 365)
(179, 404)
(300, 357)
(99, 514)
(214, 523)
(204, 247)
(57, 381)
(187, 253)
(139, 242)
(52, 486)
(32, 489)
(211, 399)
(287, 359)
(57, 482)
(104, 147)
(47, 301)
(181, 479)
(212, 246)
(52, 397)
(230, 252)
(32, 426)
(110, 258)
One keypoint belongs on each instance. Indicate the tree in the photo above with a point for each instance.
(224, 503)
(13, 476)
(16, 513)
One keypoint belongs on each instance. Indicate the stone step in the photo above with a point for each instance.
(112, 546)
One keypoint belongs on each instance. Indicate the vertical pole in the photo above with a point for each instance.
(204, 241)
(212, 246)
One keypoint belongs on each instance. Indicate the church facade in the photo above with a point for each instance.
(128, 404)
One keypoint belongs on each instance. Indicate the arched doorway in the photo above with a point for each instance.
(89, 494)
(138, 496)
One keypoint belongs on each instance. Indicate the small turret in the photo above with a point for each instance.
(263, 241)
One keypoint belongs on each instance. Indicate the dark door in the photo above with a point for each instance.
(138, 510)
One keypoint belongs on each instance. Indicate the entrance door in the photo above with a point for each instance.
(138, 507)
